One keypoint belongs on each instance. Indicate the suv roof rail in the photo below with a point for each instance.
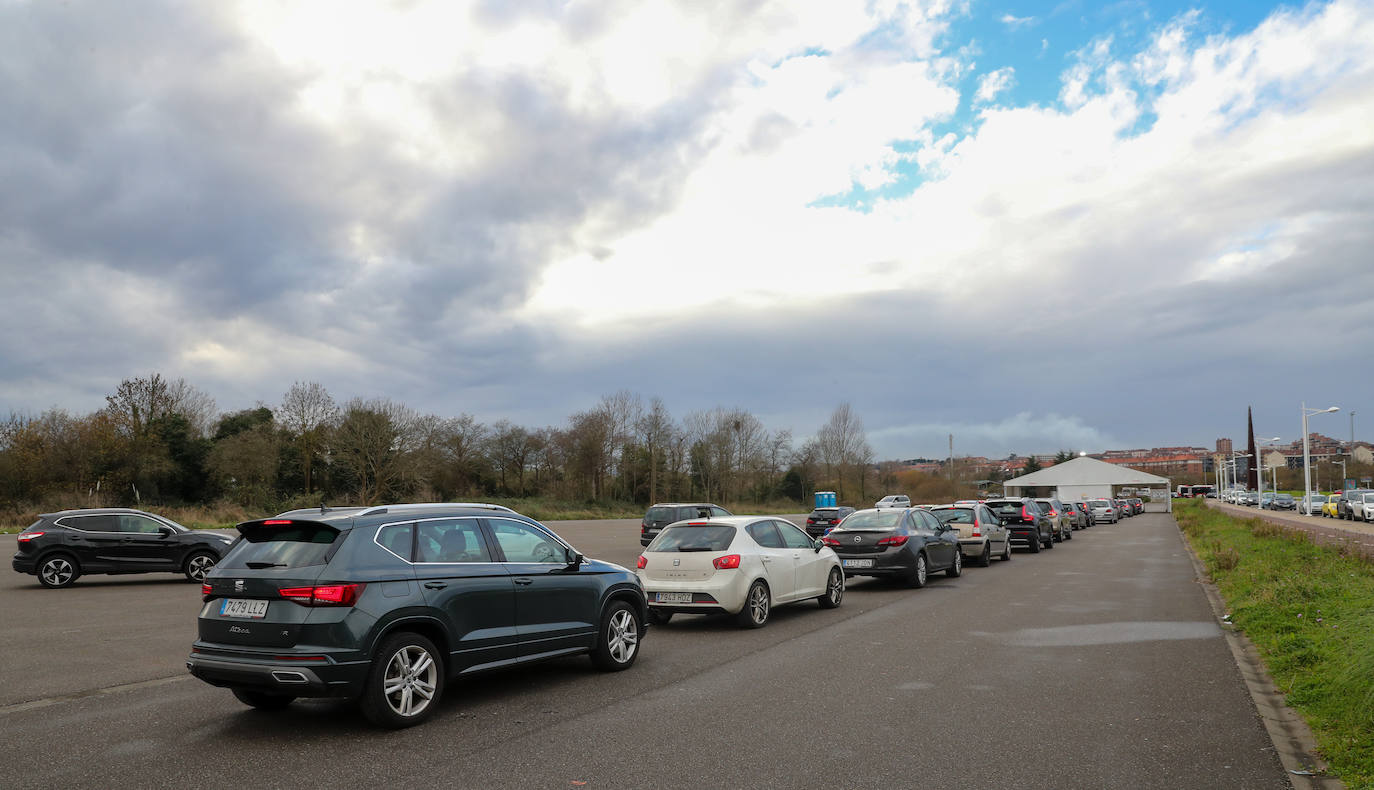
(431, 506)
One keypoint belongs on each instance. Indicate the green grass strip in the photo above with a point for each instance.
(1310, 611)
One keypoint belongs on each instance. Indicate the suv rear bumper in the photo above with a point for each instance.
(323, 678)
(23, 564)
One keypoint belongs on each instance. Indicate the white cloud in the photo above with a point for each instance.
(993, 83)
(1017, 22)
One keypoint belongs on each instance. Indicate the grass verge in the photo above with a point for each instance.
(1309, 610)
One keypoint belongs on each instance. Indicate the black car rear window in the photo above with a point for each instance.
(825, 513)
(295, 545)
(689, 537)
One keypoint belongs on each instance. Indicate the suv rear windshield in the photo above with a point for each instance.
(296, 545)
(1002, 507)
(686, 537)
(953, 515)
(874, 519)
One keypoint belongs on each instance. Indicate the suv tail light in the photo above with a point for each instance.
(1026, 516)
(25, 537)
(728, 562)
(643, 528)
(641, 562)
(893, 540)
(205, 591)
(324, 594)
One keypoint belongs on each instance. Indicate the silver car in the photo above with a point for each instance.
(981, 533)
(1313, 505)
(894, 500)
(1104, 510)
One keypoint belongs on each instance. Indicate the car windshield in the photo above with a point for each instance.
(694, 537)
(873, 519)
(1284, 497)
(1369, 497)
(953, 515)
(1008, 506)
(296, 545)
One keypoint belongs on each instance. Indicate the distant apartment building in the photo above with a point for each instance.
(1224, 446)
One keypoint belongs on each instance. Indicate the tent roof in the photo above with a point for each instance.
(1085, 471)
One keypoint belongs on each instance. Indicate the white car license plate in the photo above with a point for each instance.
(858, 563)
(672, 597)
(242, 607)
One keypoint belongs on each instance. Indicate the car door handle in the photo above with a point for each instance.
(524, 581)
(435, 585)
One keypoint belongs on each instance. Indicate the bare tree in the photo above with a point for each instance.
(842, 443)
(375, 443)
(307, 412)
(655, 429)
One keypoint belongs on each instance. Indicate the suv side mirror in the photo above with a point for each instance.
(573, 558)
(166, 532)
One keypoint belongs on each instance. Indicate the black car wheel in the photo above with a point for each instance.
(1006, 550)
(918, 576)
(199, 564)
(985, 559)
(834, 590)
(757, 607)
(957, 569)
(1034, 544)
(405, 683)
(262, 700)
(58, 570)
(617, 643)
(1048, 542)
(659, 617)
(1068, 534)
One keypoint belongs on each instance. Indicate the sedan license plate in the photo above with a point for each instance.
(241, 607)
(858, 563)
(674, 597)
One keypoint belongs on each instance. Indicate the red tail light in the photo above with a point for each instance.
(643, 528)
(641, 562)
(893, 540)
(25, 537)
(204, 591)
(276, 522)
(1025, 515)
(324, 595)
(728, 562)
(977, 530)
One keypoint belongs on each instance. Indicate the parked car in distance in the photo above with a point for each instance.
(61, 547)
(908, 544)
(1312, 506)
(1362, 506)
(1122, 508)
(1104, 510)
(1250, 499)
(384, 605)
(1088, 518)
(1137, 505)
(1329, 508)
(1345, 506)
(1026, 522)
(894, 500)
(1283, 501)
(1266, 500)
(981, 534)
(824, 519)
(740, 565)
(661, 515)
(1059, 516)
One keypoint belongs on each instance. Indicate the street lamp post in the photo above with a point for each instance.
(1306, 447)
(1259, 466)
(1342, 463)
(1235, 467)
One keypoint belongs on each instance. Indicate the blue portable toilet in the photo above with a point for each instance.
(825, 499)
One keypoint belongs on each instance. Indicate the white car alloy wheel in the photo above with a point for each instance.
(834, 590)
(624, 636)
(757, 606)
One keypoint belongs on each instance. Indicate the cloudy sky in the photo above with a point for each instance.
(1032, 225)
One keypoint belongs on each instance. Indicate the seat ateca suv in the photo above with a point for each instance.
(385, 604)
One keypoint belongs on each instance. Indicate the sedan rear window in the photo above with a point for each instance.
(830, 513)
(691, 537)
(954, 515)
(1100, 503)
(295, 545)
(874, 519)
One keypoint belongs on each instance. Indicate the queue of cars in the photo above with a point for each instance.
(384, 605)
(1354, 504)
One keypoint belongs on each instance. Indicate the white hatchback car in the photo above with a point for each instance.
(738, 565)
(894, 500)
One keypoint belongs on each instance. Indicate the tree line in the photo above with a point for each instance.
(159, 441)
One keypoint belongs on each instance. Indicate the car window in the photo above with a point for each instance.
(96, 523)
(397, 539)
(291, 545)
(717, 512)
(450, 540)
(873, 519)
(686, 513)
(139, 524)
(661, 514)
(954, 515)
(693, 537)
(792, 537)
(523, 543)
(765, 534)
(985, 516)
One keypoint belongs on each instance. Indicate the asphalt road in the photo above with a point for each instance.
(1097, 664)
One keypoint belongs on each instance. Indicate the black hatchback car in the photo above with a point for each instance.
(661, 515)
(824, 519)
(907, 543)
(61, 547)
(385, 604)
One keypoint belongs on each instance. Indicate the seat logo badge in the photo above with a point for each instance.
(676, 562)
(858, 539)
(238, 585)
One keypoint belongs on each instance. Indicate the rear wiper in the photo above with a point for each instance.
(260, 565)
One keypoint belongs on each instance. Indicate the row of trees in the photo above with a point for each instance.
(164, 442)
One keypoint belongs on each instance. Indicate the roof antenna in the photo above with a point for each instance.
(323, 509)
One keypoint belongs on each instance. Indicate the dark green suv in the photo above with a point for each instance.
(385, 604)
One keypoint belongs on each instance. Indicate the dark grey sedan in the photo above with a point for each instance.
(907, 544)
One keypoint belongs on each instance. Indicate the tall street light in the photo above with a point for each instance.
(1235, 467)
(1259, 464)
(1342, 463)
(1306, 446)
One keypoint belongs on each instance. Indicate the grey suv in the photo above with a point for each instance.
(385, 604)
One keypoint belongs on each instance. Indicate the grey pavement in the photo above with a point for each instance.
(1097, 664)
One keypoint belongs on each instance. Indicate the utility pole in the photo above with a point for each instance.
(951, 456)
(1352, 434)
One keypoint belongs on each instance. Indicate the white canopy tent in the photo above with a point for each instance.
(1087, 478)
